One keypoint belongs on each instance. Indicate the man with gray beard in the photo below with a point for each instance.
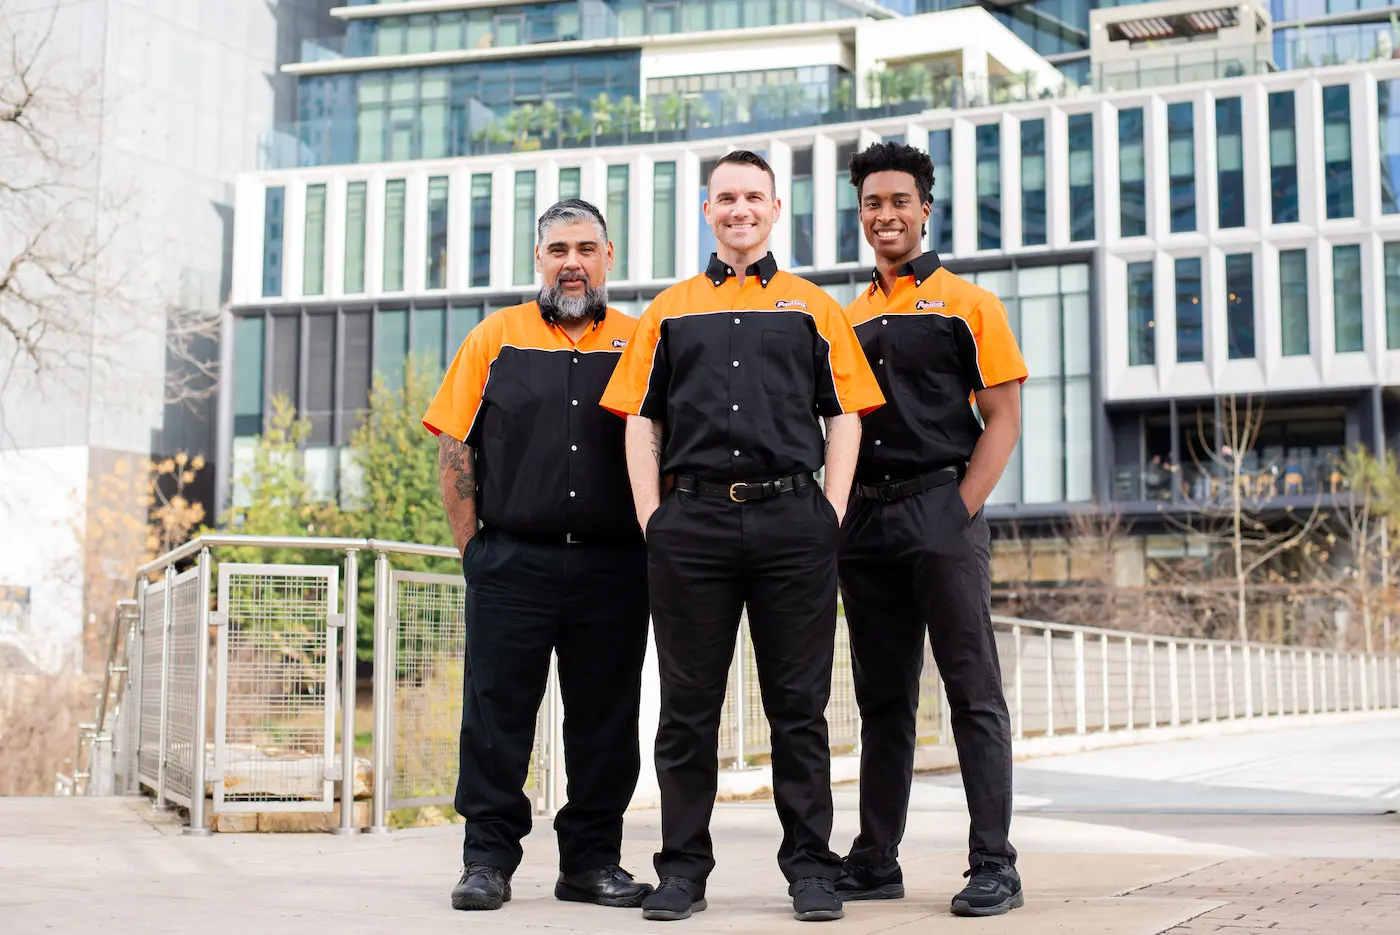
(534, 480)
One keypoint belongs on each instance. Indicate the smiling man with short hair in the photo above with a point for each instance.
(915, 553)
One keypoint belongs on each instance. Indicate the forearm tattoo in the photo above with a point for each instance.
(452, 456)
(656, 443)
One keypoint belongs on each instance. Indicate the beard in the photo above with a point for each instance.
(558, 306)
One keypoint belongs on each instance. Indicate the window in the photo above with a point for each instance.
(394, 198)
(460, 322)
(940, 218)
(1346, 298)
(1190, 336)
(248, 348)
(523, 269)
(313, 267)
(989, 187)
(274, 201)
(355, 209)
(285, 366)
(437, 233)
(429, 329)
(705, 236)
(390, 346)
(1283, 157)
(847, 208)
(1132, 175)
(1392, 296)
(1229, 156)
(800, 208)
(663, 221)
(570, 183)
(1142, 348)
(1336, 150)
(1032, 182)
(320, 379)
(1181, 165)
(1388, 105)
(1239, 305)
(355, 371)
(1081, 177)
(481, 230)
(1293, 302)
(619, 180)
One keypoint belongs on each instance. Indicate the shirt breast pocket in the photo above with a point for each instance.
(787, 364)
(927, 345)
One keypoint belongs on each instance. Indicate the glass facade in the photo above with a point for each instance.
(619, 182)
(1229, 156)
(391, 346)
(1132, 174)
(800, 208)
(1239, 305)
(1081, 177)
(570, 183)
(1336, 150)
(1347, 313)
(481, 230)
(1048, 309)
(395, 195)
(1388, 107)
(1335, 44)
(1032, 182)
(248, 347)
(455, 110)
(663, 215)
(762, 96)
(989, 187)
(436, 277)
(1283, 157)
(1392, 296)
(1181, 165)
(1190, 335)
(355, 224)
(1142, 345)
(523, 253)
(1293, 303)
(274, 205)
(314, 251)
(847, 208)
(940, 218)
(496, 27)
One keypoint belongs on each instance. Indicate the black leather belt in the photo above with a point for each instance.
(898, 490)
(743, 493)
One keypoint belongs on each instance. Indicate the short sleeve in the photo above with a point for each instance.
(455, 408)
(845, 382)
(997, 357)
(638, 384)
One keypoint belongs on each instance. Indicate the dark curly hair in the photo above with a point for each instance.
(894, 157)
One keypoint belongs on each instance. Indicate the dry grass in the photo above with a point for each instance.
(39, 717)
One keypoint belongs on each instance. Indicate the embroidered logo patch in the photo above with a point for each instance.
(922, 304)
(790, 303)
(619, 342)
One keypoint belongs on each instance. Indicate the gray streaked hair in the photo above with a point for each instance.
(570, 211)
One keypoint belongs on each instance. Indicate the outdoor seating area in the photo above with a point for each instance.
(1272, 472)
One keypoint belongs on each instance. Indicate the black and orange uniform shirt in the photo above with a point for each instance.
(739, 374)
(524, 396)
(933, 342)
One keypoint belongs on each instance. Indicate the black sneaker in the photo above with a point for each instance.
(603, 886)
(481, 887)
(993, 889)
(675, 899)
(814, 900)
(857, 882)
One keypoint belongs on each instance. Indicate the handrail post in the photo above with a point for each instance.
(1049, 685)
(1020, 694)
(1081, 716)
(741, 686)
(1230, 681)
(1151, 683)
(1308, 671)
(1293, 672)
(198, 826)
(167, 607)
(1103, 659)
(1278, 680)
(1210, 674)
(379, 800)
(1128, 657)
(1195, 690)
(348, 660)
(1174, 670)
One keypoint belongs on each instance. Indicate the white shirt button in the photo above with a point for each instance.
(575, 360)
(573, 447)
(571, 493)
(882, 360)
(576, 402)
(877, 441)
(887, 477)
(736, 452)
(736, 407)
(736, 363)
(884, 321)
(736, 321)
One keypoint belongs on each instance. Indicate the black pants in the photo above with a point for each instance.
(526, 600)
(915, 565)
(706, 559)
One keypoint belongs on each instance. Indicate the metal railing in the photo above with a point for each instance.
(241, 691)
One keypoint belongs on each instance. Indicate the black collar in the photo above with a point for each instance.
(765, 269)
(921, 268)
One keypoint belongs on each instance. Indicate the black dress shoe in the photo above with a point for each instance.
(481, 887)
(676, 899)
(994, 888)
(857, 882)
(814, 900)
(605, 886)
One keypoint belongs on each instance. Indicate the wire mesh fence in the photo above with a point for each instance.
(183, 654)
(152, 683)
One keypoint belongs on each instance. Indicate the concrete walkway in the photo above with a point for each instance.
(1247, 835)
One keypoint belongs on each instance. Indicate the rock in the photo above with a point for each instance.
(275, 772)
(235, 822)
